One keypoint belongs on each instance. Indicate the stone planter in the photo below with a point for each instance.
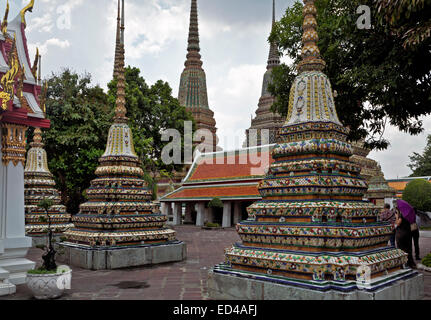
(50, 286)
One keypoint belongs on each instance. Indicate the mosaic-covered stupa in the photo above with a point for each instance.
(312, 229)
(39, 185)
(119, 212)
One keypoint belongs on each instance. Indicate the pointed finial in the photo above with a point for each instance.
(311, 59)
(118, 49)
(122, 22)
(37, 139)
(193, 55)
(29, 8)
(4, 22)
(273, 57)
(35, 63)
(39, 77)
(120, 109)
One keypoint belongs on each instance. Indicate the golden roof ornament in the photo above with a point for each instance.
(8, 80)
(29, 8)
(35, 64)
(4, 22)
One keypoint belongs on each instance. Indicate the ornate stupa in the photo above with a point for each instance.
(379, 191)
(265, 119)
(369, 167)
(39, 185)
(311, 232)
(119, 213)
(193, 92)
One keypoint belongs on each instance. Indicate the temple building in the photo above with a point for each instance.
(193, 92)
(265, 119)
(401, 183)
(231, 176)
(312, 236)
(40, 185)
(119, 226)
(20, 108)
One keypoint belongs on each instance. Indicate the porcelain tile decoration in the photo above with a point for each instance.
(40, 185)
(312, 228)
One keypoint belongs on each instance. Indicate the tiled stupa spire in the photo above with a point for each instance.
(119, 211)
(312, 228)
(119, 43)
(40, 185)
(193, 93)
(265, 118)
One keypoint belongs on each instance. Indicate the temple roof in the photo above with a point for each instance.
(228, 175)
(26, 108)
(400, 184)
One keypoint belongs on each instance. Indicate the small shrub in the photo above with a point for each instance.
(215, 203)
(212, 225)
(42, 271)
(427, 261)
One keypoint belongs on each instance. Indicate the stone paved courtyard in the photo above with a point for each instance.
(176, 281)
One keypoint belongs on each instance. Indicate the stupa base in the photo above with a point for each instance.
(224, 284)
(123, 257)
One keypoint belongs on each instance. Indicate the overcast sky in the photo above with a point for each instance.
(80, 34)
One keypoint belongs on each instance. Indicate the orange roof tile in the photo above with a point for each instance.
(248, 191)
(226, 166)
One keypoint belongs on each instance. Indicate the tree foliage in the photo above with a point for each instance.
(421, 163)
(377, 78)
(418, 194)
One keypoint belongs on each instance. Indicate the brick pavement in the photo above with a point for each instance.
(176, 281)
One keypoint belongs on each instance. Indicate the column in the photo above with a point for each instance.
(200, 209)
(237, 212)
(178, 213)
(164, 209)
(14, 244)
(188, 214)
(169, 212)
(227, 214)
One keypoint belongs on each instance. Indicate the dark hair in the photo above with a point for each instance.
(387, 206)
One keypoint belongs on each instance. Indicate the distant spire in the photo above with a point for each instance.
(273, 57)
(122, 23)
(118, 49)
(193, 56)
(311, 59)
(120, 108)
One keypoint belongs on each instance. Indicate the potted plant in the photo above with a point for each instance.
(48, 281)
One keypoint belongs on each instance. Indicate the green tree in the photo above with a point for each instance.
(421, 163)
(378, 79)
(80, 119)
(151, 110)
(418, 194)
